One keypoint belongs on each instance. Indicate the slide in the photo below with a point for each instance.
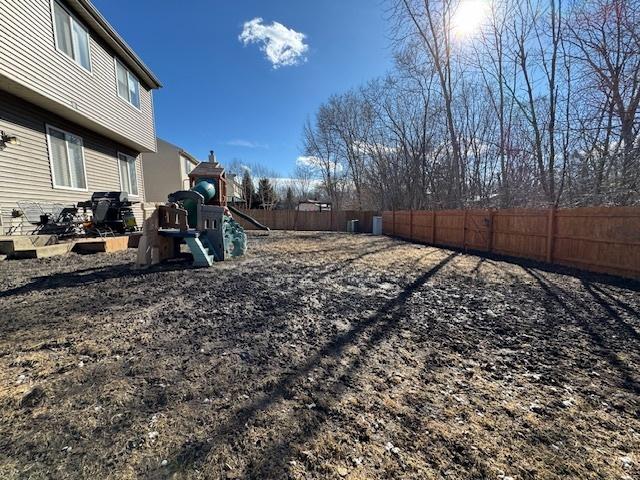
(246, 217)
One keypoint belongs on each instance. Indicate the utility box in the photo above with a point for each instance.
(377, 226)
(352, 226)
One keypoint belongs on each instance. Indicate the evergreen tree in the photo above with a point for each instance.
(248, 189)
(266, 194)
(289, 200)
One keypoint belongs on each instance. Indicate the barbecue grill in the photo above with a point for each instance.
(112, 213)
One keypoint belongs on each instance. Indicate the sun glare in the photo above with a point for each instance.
(469, 17)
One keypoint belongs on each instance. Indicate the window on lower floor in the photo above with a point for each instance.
(66, 154)
(128, 174)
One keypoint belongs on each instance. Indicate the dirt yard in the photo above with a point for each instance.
(317, 356)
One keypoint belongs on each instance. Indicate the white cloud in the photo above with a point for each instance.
(294, 182)
(373, 148)
(283, 46)
(305, 161)
(246, 144)
(315, 162)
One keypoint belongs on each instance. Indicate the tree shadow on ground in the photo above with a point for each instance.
(602, 278)
(588, 321)
(90, 276)
(598, 294)
(369, 333)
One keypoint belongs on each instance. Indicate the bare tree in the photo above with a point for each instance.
(606, 34)
(538, 107)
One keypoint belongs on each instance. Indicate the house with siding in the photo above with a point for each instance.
(75, 102)
(166, 170)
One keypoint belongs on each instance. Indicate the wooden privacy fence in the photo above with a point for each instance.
(601, 239)
(310, 221)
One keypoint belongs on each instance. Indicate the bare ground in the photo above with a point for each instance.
(316, 356)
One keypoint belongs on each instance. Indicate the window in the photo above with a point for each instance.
(187, 166)
(128, 85)
(71, 37)
(128, 174)
(66, 155)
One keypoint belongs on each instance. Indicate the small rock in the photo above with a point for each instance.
(152, 435)
(491, 313)
(343, 472)
(311, 406)
(21, 379)
(567, 403)
(66, 449)
(81, 364)
(534, 407)
(390, 447)
(626, 461)
(164, 463)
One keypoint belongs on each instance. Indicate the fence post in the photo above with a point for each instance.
(393, 223)
(550, 233)
(433, 227)
(490, 232)
(464, 229)
(411, 225)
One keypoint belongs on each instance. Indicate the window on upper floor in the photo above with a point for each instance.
(66, 154)
(186, 167)
(128, 85)
(128, 174)
(71, 37)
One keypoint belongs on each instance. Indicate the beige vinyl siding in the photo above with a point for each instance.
(163, 171)
(29, 58)
(25, 171)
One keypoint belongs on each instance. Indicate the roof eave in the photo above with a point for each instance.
(189, 156)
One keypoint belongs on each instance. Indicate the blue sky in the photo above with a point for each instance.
(220, 94)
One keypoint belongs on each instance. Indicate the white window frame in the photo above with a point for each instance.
(130, 75)
(130, 158)
(55, 37)
(84, 163)
(184, 160)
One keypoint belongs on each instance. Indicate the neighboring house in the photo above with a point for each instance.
(76, 102)
(235, 193)
(166, 171)
(313, 206)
